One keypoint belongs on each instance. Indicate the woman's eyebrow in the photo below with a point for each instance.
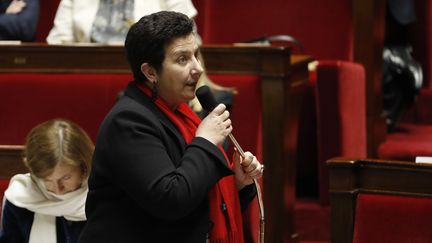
(181, 52)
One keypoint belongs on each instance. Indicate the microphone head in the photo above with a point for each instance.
(206, 98)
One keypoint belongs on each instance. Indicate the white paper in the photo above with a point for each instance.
(423, 159)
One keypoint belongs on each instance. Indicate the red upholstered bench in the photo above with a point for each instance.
(246, 110)
(27, 99)
(384, 218)
(407, 142)
(341, 115)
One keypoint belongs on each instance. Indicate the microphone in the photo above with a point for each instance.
(208, 102)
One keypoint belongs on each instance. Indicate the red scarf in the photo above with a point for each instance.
(228, 226)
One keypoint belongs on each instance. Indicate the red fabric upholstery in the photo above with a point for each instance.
(28, 99)
(384, 218)
(341, 115)
(407, 142)
(4, 183)
(48, 9)
(31, 98)
(246, 110)
(219, 22)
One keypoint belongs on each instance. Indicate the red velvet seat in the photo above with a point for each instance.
(385, 218)
(246, 110)
(48, 9)
(219, 22)
(27, 99)
(407, 142)
(341, 115)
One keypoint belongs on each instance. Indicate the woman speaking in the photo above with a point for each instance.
(159, 173)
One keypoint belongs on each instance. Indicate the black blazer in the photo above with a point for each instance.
(146, 184)
(20, 26)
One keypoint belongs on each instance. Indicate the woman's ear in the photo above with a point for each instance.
(149, 72)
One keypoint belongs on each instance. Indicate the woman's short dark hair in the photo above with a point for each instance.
(147, 39)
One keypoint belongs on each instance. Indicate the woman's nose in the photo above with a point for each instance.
(57, 188)
(197, 69)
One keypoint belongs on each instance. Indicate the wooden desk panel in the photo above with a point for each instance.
(282, 75)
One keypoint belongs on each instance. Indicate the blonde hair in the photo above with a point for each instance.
(57, 142)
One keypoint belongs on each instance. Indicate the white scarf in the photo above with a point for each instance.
(29, 192)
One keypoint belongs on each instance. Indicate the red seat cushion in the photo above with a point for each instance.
(407, 142)
(384, 218)
(341, 115)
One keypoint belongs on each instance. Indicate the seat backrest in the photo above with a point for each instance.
(390, 218)
(47, 12)
(341, 115)
(27, 99)
(218, 22)
(246, 110)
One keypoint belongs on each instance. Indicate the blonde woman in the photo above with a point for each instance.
(47, 204)
(106, 21)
